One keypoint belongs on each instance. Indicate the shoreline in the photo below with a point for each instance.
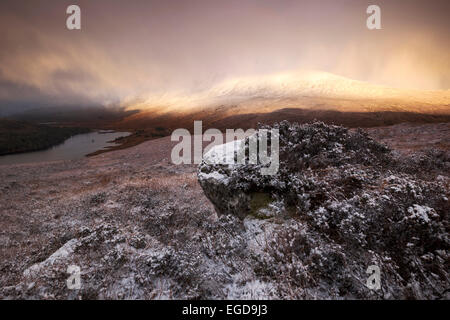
(77, 146)
(46, 146)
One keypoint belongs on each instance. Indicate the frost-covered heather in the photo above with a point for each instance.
(345, 202)
(142, 228)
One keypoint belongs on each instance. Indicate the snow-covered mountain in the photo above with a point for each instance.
(306, 89)
(313, 83)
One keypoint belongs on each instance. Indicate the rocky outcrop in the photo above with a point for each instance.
(347, 195)
(307, 153)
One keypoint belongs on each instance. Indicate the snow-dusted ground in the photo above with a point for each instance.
(411, 137)
(140, 227)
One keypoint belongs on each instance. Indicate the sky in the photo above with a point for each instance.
(128, 50)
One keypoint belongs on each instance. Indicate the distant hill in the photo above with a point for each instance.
(92, 117)
(305, 90)
(298, 96)
(19, 136)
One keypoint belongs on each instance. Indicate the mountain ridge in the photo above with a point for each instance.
(302, 89)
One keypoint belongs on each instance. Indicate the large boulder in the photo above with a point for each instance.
(306, 153)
